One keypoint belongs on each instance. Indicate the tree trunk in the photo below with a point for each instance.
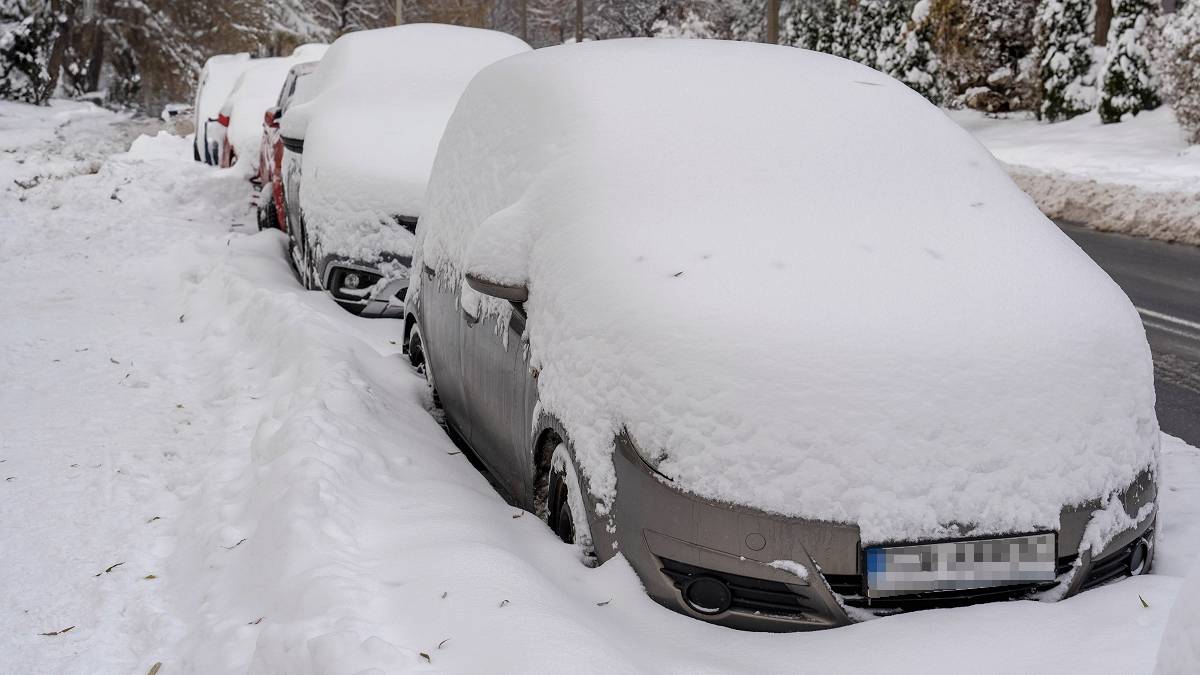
(773, 21)
(1104, 15)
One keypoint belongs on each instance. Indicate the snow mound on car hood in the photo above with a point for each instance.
(824, 300)
(371, 116)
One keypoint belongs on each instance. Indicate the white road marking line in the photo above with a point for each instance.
(1168, 318)
(1168, 329)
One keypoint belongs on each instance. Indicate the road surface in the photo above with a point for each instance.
(1163, 280)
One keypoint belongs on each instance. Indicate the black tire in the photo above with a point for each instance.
(261, 215)
(564, 495)
(195, 151)
(416, 357)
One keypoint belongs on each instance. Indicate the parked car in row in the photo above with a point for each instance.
(793, 352)
(216, 81)
(359, 141)
(256, 89)
(271, 209)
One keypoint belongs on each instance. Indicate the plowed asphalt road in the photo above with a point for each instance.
(1163, 280)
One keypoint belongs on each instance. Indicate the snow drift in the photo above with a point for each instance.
(787, 299)
(371, 117)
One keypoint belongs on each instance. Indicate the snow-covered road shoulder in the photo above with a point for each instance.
(1138, 177)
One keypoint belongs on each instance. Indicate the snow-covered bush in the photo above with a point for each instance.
(28, 29)
(869, 21)
(983, 47)
(910, 58)
(1128, 81)
(1179, 65)
(1064, 58)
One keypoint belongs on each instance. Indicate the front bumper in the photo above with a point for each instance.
(382, 293)
(817, 581)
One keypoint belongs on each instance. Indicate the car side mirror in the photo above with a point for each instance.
(519, 293)
(272, 116)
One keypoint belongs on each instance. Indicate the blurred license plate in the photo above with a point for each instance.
(957, 565)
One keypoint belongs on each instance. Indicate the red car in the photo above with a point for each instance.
(271, 211)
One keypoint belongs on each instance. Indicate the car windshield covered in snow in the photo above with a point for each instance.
(823, 301)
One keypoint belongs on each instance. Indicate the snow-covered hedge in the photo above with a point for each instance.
(1179, 63)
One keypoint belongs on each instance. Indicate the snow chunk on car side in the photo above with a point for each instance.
(825, 300)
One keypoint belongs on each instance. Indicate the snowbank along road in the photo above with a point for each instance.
(204, 466)
(1163, 280)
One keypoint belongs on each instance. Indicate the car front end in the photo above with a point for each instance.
(748, 569)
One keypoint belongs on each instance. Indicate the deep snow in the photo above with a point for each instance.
(1138, 177)
(311, 515)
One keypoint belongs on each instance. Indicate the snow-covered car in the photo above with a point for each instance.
(256, 89)
(799, 354)
(358, 146)
(272, 212)
(217, 78)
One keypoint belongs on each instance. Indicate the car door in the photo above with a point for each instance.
(496, 377)
(442, 333)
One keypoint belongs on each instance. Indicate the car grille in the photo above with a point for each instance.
(851, 588)
(748, 594)
(1112, 566)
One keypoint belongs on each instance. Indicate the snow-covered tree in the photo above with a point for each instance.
(868, 23)
(808, 24)
(911, 58)
(691, 25)
(1128, 84)
(1064, 31)
(28, 30)
(1179, 63)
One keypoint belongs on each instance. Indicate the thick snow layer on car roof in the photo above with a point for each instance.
(256, 90)
(371, 116)
(824, 300)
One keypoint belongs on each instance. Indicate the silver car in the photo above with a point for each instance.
(548, 211)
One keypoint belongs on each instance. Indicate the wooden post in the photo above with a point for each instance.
(773, 21)
(399, 12)
(578, 21)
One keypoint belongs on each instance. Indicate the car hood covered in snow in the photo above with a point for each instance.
(371, 116)
(823, 301)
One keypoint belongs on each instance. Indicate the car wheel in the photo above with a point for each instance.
(272, 214)
(261, 214)
(566, 512)
(416, 357)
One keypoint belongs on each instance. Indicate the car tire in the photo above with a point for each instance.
(416, 357)
(261, 216)
(566, 511)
